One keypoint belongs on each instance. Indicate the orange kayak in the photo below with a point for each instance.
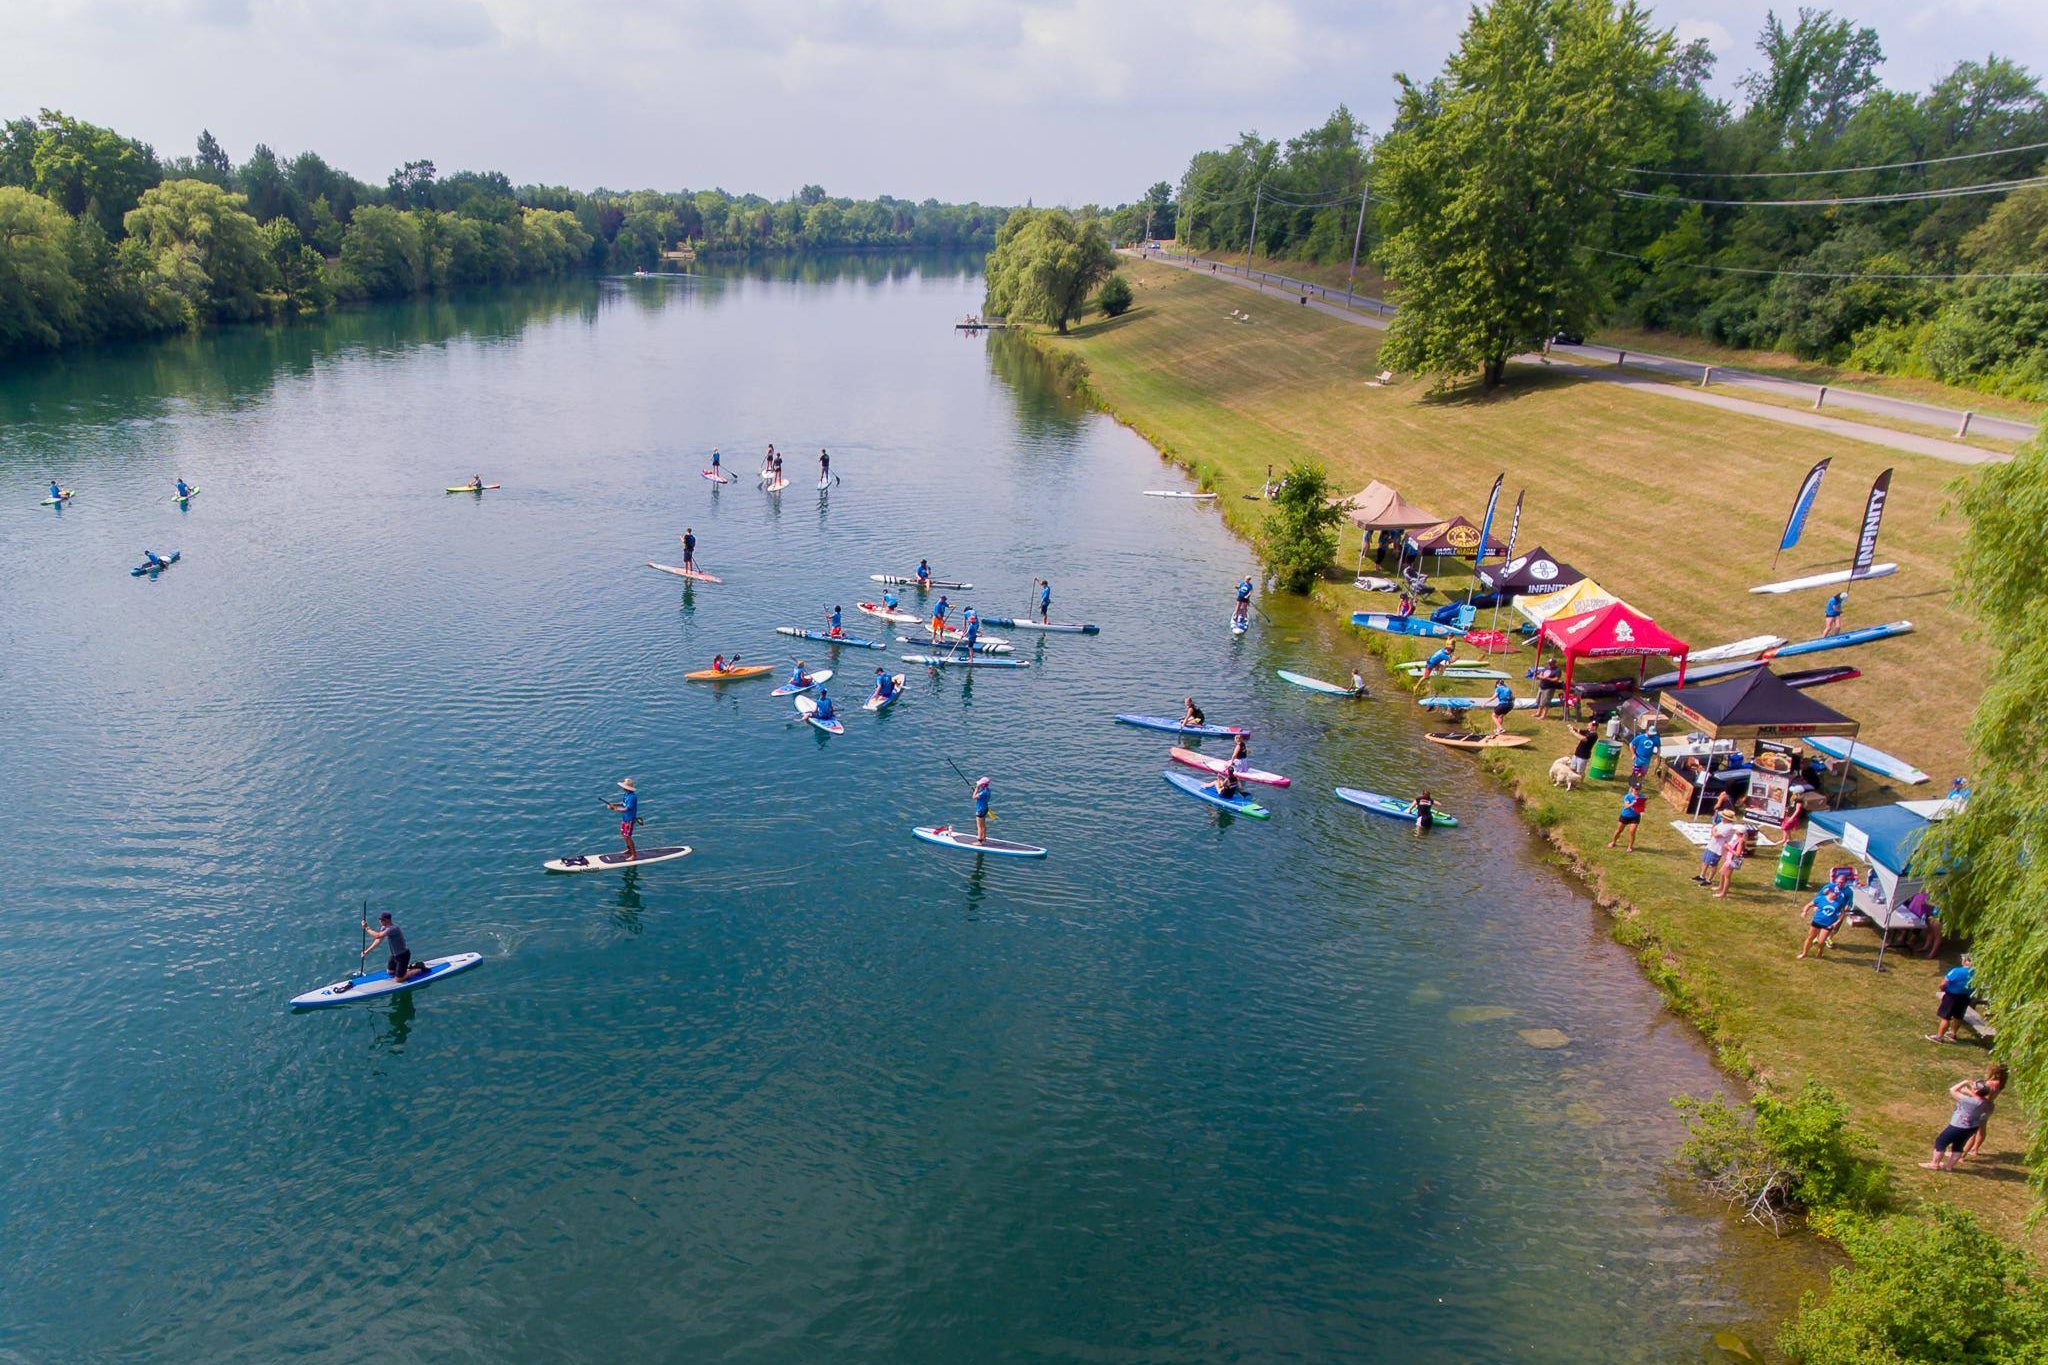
(730, 674)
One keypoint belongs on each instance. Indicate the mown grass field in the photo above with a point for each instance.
(1677, 508)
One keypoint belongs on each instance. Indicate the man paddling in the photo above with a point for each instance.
(824, 712)
(400, 965)
(721, 664)
(152, 560)
(56, 493)
(629, 814)
(970, 631)
(716, 472)
(1044, 601)
(824, 466)
(938, 617)
(835, 630)
(1244, 603)
(690, 549)
(885, 686)
(799, 678)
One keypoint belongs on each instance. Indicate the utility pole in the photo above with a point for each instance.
(1257, 195)
(1357, 236)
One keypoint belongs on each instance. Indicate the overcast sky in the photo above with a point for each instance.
(997, 100)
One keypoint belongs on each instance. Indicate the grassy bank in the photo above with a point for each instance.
(1676, 507)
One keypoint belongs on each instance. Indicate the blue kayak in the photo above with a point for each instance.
(1202, 791)
(1172, 725)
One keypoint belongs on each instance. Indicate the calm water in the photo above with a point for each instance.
(1196, 1088)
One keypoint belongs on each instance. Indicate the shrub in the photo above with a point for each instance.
(1300, 536)
(1115, 296)
(1923, 1291)
(1792, 1155)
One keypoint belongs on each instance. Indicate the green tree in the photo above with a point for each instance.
(301, 274)
(40, 299)
(1299, 538)
(211, 164)
(384, 254)
(1996, 879)
(1114, 298)
(1497, 176)
(1939, 1290)
(1817, 72)
(1045, 265)
(86, 168)
(188, 225)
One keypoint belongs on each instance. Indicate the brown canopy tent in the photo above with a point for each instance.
(1452, 539)
(1379, 507)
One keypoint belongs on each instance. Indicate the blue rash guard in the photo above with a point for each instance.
(1244, 591)
(799, 678)
(835, 620)
(1439, 659)
(714, 459)
(1958, 980)
(973, 627)
(629, 809)
(56, 493)
(184, 491)
(889, 599)
(824, 711)
(885, 686)
(1834, 606)
(981, 800)
(1045, 596)
(924, 571)
(1503, 695)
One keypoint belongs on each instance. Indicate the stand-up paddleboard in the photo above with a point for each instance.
(778, 485)
(900, 581)
(1819, 677)
(1195, 787)
(1735, 649)
(1471, 739)
(875, 703)
(1239, 625)
(824, 484)
(374, 984)
(1172, 725)
(1471, 703)
(1019, 623)
(612, 862)
(1190, 758)
(474, 488)
(67, 495)
(1414, 668)
(1867, 758)
(1859, 635)
(694, 575)
(948, 837)
(1315, 684)
(186, 496)
(827, 637)
(733, 674)
(808, 709)
(956, 661)
(1395, 809)
(1827, 580)
(900, 618)
(987, 644)
(1169, 493)
(1404, 625)
(1492, 641)
(791, 689)
(154, 569)
(716, 477)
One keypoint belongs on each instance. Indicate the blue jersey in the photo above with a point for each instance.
(629, 809)
(981, 801)
(1834, 606)
(1045, 595)
(889, 600)
(835, 618)
(1439, 659)
(1826, 916)
(885, 686)
(1645, 747)
(1958, 980)
(1503, 695)
(714, 459)
(1244, 591)
(56, 492)
(824, 707)
(799, 678)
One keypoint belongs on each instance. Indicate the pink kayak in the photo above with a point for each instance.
(1217, 765)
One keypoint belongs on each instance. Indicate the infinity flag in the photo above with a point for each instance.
(1515, 526)
(1801, 505)
(1486, 527)
(1873, 513)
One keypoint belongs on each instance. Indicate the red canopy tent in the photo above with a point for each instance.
(1615, 631)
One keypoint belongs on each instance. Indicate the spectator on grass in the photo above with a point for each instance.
(1922, 907)
(1973, 1106)
(1741, 839)
(1549, 681)
(1711, 851)
(1833, 611)
(1995, 1077)
(1644, 748)
(1631, 817)
(1954, 1001)
(1582, 752)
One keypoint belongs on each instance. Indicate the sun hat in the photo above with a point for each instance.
(626, 783)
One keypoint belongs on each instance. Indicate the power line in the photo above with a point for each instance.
(1907, 196)
(1840, 170)
(1825, 274)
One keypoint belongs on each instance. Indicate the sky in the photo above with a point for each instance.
(1000, 101)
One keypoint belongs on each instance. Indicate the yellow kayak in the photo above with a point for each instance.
(730, 674)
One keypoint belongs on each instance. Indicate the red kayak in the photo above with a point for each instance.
(1492, 641)
(1217, 765)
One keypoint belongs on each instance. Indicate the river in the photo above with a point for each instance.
(1194, 1088)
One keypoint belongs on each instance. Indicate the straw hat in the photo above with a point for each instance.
(626, 783)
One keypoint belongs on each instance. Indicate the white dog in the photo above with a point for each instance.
(1563, 774)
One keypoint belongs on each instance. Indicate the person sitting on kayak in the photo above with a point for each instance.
(400, 964)
(1191, 716)
(885, 686)
(184, 490)
(798, 677)
(476, 483)
(689, 548)
(1044, 601)
(835, 630)
(1425, 813)
(1244, 601)
(721, 664)
(983, 789)
(629, 814)
(939, 618)
(924, 574)
(152, 560)
(824, 711)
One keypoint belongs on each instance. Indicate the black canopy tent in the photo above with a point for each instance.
(1527, 575)
(1753, 706)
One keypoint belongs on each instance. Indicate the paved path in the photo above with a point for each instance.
(1578, 360)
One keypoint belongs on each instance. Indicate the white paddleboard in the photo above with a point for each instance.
(377, 983)
(949, 837)
(1736, 649)
(611, 862)
(808, 709)
(1169, 493)
(1863, 756)
(875, 703)
(1825, 580)
(791, 689)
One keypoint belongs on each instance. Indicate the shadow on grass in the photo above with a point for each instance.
(1104, 326)
(1521, 382)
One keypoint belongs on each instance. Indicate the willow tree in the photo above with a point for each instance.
(1994, 852)
(1045, 265)
(1495, 180)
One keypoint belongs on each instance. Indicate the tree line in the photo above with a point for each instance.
(101, 239)
(1603, 181)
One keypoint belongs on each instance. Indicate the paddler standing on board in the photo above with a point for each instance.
(938, 618)
(1244, 603)
(1044, 601)
(983, 788)
(690, 549)
(628, 808)
(716, 472)
(970, 631)
(824, 467)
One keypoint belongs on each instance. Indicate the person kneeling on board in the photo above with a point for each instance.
(400, 965)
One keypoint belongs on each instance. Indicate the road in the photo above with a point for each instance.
(1605, 363)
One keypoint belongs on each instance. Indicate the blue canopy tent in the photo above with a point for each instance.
(1885, 837)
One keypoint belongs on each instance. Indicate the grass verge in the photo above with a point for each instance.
(1677, 508)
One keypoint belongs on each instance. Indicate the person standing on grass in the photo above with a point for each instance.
(1582, 751)
(1829, 904)
(1973, 1106)
(1833, 610)
(1711, 851)
(1995, 1078)
(1549, 681)
(1631, 820)
(1503, 706)
(1734, 848)
(1956, 984)
(1644, 748)
(1443, 658)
